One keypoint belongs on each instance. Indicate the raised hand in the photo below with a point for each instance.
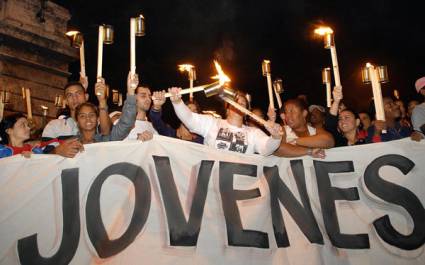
(275, 130)
(175, 94)
(158, 99)
(132, 83)
(100, 89)
(337, 93)
(271, 114)
(84, 81)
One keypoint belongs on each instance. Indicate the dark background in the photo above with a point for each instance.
(240, 34)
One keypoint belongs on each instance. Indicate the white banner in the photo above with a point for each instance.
(172, 202)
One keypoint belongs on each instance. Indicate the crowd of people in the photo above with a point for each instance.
(294, 130)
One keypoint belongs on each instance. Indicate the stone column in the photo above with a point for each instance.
(34, 53)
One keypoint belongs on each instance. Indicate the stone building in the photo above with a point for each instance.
(34, 53)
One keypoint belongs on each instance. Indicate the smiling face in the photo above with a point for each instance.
(87, 118)
(143, 98)
(347, 121)
(74, 95)
(20, 131)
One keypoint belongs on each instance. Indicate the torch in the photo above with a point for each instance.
(278, 89)
(326, 79)
(265, 66)
(396, 94)
(212, 89)
(77, 41)
(191, 73)
(137, 28)
(376, 76)
(328, 38)
(106, 36)
(59, 102)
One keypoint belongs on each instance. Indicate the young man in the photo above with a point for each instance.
(302, 139)
(75, 94)
(317, 116)
(143, 129)
(228, 134)
(395, 130)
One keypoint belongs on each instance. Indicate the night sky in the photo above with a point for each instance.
(240, 34)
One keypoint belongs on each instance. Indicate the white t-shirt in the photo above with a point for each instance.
(139, 127)
(291, 136)
(60, 127)
(219, 134)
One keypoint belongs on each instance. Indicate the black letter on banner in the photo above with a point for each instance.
(328, 195)
(28, 248)
(302, 213)
(182, 232)
(236, 235)
(397, 195)
(96, 230)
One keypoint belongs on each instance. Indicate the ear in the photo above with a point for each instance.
(87, 96)
(357, 122)
(8, 131)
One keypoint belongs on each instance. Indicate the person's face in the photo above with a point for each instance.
(316, 116)
(347, 122)
(75, 95)
(87, 119)
(294, 116)
(193, 107)
(143, 98)
(411, 106)
(391, 109)
(365, 119)
(20, 131)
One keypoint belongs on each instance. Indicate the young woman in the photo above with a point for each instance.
(14, 131)
(344, 125)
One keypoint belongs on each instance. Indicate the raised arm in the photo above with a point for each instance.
(196, 123)
(104, 120)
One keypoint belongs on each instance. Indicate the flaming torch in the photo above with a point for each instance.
(77, 41)
(376, 76)
(210, 89)
(191, 73)
(265, 66)
(328, 38)
(4, 99)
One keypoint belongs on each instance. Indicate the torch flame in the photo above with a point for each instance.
(368, 65)
(221, 76)
(323, 31)
(185, 67)
(72, 33)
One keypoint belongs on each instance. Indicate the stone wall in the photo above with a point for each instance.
(34, 54)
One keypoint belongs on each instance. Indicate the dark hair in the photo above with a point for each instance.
(70, 84)
(356, 115)
(297, 102)
(7, 123)
(86, 104)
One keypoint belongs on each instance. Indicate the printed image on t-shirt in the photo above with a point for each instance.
(228, 140)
